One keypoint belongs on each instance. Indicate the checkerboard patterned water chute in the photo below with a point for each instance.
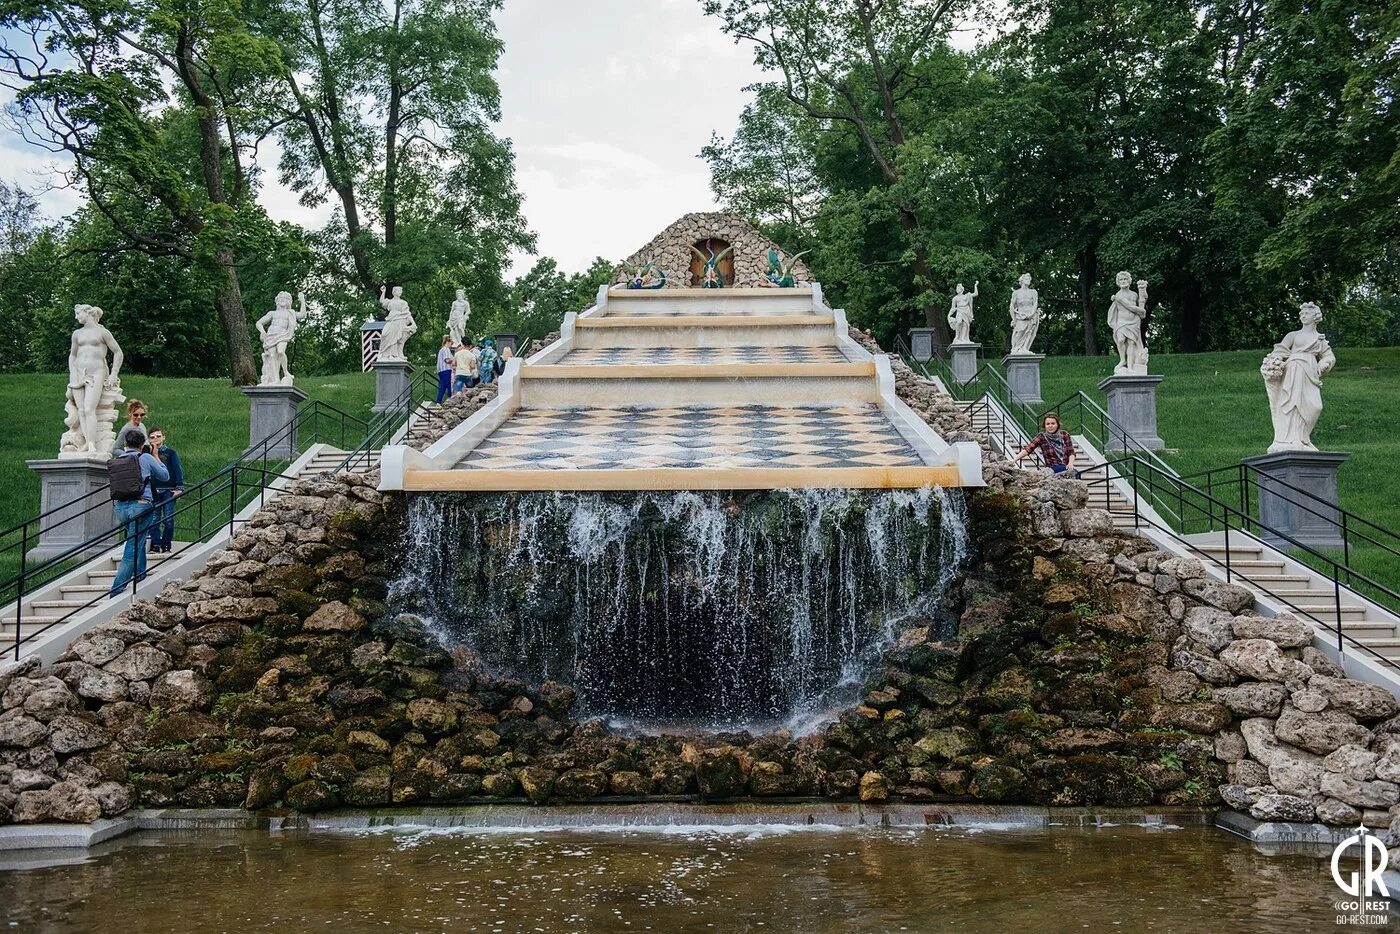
(661, 356)
(695, 437)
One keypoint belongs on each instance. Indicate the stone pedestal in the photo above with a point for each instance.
(1023, 376)
(1132, 405)
(963, 358)
(921, 344)
(1288, 483)
(391, 380)
(270, 410)
(65, 482)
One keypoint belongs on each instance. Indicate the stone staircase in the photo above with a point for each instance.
(1287, 585)
(693, 389)
(76, 601)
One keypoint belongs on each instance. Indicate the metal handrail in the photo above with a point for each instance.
(1140, 474)
(420, 389)
(212, 504)
(255, 457)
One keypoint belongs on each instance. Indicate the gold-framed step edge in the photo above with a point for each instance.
(704, 321)
(682, 478)
(695, 370)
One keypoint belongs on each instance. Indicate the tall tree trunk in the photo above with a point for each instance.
(228, 295)
(933, 317)
(230, 303)
(1088, 261)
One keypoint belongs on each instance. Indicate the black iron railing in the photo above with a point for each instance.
(193, 513)
(397, 416)
(1241, 536)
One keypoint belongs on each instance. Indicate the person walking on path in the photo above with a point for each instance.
(135, 421)
(445, 367)
(487, 365)
(1054, 445)
(163, 523)
(131, 473)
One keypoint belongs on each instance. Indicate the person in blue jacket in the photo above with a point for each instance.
(136, 514)
(163, 523)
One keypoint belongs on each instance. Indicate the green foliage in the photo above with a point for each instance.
(1240, 158)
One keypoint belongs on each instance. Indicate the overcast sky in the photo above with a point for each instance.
(608, 103)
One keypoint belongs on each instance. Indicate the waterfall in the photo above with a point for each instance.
(712, 609)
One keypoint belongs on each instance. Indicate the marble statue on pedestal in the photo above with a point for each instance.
(1025, 316)
(1125, 316)
(960, 315)
(277, 328)
(94, 388)
(457, 318)
(1293, 373)
(399, 326)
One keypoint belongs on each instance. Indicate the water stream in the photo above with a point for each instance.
(712, 609)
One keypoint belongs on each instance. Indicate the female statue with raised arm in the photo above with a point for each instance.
(960, 315)
(1125, 316)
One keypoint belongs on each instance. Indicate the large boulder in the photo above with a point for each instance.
(1352, 761)
(72, 734)
(1283, 630)
(1360, 794)
(182, 690)
(1281, 807)
(1210, 627)
(1361, 700)
(1290, 770)
(22, 731)
(1262, 660)
(236, 609)
(1230, 597)
(1252, 698)
(334, 617)
(1320, 732)
(140, 663)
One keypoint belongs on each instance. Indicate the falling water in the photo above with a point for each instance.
(715, 609)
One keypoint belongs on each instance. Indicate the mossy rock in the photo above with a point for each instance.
(1090, 778)
(310, 796)
(370, 788)
(996, 781)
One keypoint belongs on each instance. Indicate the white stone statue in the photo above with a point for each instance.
(94, 388)
(457, 318)
(1293, 373)
(399, 326)
(1025, 316)
(960, 315)
(277, 328)
(1125, 315)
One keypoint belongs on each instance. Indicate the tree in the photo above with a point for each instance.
(388, 108)
(113, 85)
(852, 62)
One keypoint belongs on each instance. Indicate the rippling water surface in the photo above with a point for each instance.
(790, 879)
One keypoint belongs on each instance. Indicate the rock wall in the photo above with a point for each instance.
(670, 250)
(1089, 668)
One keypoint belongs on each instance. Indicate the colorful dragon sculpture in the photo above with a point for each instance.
(711, 279)
(779, 272)
(644, 271)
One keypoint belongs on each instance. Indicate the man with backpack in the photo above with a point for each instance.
(129, 475)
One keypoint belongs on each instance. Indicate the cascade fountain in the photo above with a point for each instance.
(708, 609)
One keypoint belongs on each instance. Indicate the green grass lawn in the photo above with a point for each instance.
(207, 422)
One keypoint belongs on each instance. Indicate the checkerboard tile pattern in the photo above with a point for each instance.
(695, 437)
(614, 356)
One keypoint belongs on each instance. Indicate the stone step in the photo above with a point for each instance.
(693, 301)
(704, 331)
(785, 385)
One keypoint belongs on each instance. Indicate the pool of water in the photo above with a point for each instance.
(754, 878)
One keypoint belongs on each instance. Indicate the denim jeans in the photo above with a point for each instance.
(444, 384)
(136, 517)
(163, 519)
